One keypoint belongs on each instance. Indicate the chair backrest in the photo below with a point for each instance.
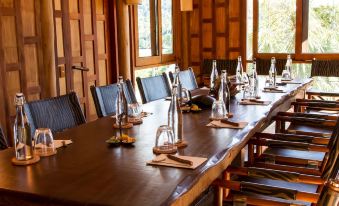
(222, 64)
(57, 113)
(264, 65)
(3, 140)
(104, 97)
(325, 68)
(331, 160)
(153, 88)
(187, 79)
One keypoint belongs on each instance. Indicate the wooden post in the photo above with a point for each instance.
(124, 40)
(184, 40)
(47, 31)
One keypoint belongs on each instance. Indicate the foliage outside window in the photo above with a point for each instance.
(323, 27)
(306, 29)
(154, 35)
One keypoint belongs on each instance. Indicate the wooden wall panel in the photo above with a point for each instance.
(215, 28)
(20, 55)
(81, 32)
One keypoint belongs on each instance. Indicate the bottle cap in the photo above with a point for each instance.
(19, 99)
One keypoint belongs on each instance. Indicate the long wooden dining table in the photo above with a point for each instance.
(90, 172)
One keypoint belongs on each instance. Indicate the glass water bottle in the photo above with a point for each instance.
(121, 106)
(224, 94)
(254, 81)
(286, 74)
(22, 131)
(239, 71)
(273, 73)
(175, 116)
(214, 75)
(178, 83)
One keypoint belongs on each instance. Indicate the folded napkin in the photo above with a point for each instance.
(290, 81)
(254, 102)
(273, 90)
(163, 160)
(62, 143)
(219, 124)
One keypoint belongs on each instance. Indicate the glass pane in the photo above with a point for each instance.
(323, 27)
(167, 27)
(277, 26)
(144, 29)
(249, 35)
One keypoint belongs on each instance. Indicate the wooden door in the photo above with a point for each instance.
(81, 31)
(20, 55)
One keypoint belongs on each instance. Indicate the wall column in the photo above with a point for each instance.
(47, 33)
(124, 44)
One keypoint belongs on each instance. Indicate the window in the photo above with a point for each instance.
(153, 33)
(306, 29)
(276, 26)
(322, 34)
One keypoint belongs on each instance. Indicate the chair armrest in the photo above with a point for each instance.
(306, 121)
(289, 145)
(293, 138)
(316, 100)
(316, 104)
(275, 175)
(307, 115)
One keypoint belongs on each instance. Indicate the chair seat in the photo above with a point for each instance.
(304, 155)
(276, 183)
(308, 128)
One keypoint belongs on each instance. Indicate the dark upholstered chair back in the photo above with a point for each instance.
(187, 79)
(264, 65)
(3, 140)
(104, 97)
(325, 68)
(154, 88)
(58, 113)
(229, 65)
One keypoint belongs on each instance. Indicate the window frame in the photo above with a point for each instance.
(301, 25)
(160, 59)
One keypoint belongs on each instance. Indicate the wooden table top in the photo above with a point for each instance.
(92, 173)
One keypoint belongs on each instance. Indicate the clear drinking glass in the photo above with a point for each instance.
(43, 142)
(185, 95)
(218, 110)
(134, 110)
(164, 141)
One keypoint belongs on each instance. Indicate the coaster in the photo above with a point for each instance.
(181, 144)
(124, 126)
(162, 151)
(35, 159)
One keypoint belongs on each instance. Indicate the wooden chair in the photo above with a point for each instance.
(104, 97)
(57, 113)
(319, 125)
(323, 68)
(187, 79)
(3, 140)
(316, 106)
(278, 183)
(154, 88)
